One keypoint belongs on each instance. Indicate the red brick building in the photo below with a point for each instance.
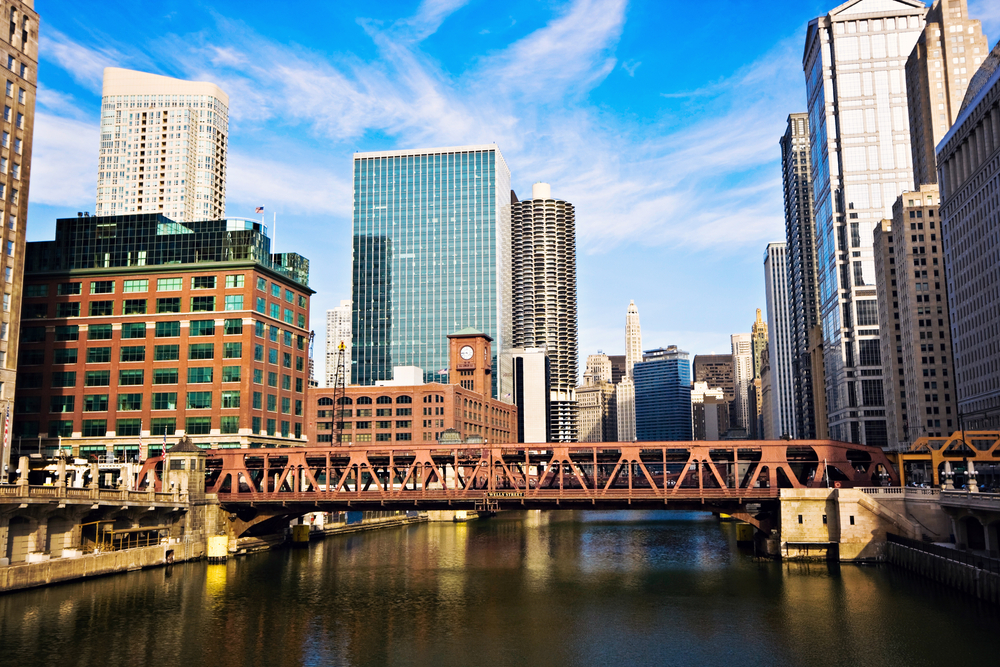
(135, 327)
(418, 413)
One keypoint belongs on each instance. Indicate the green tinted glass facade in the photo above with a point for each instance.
(431, 257)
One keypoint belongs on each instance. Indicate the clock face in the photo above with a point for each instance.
(466, 352)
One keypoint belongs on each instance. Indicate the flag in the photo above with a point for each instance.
(6, 434)
(164, 450)
(140, 457)
(443, 371)
(259, 209)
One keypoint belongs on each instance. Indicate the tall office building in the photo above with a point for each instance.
(626, 388)
(163, 147)
(598, 368)
(969, 172)
(338, 330)
(20, 53)
(947, 54)
(861, 160)
(432, 255)
(617, 367)
(596, 418)
(716, 370)
(709, 412)
(663, 396)
(543, 256)
(743, 379)
(758, 336)
(532, 377)
(803, 297)
(780, 351)
(891, 333)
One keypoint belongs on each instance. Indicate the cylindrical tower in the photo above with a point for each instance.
(543, 232)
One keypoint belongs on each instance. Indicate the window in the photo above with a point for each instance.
(128, 427)
(168, 329)
(98, 355)
(199, 400)
(62, 404)
(298, 385)
(286, 382)
(298, 408)
(68, 289)
(32, 358)
(272, 403)
(97, 379)
(286, 405)
(163, 426)
(232, 350)
(198, 425)
(62, 428)
(258, 329)
(289, 316)
(234, 302)
(286, 359)
(102, 287)
(404, 436)
(230, 373)
(135, 285)
(262, 284)
(271, 430)
(99, 332)
(258, 353)
(65, 356)
(201, 351)
(165, 376)
(233, 327)
(202, 328)
(169, 305)
(129, 402)
(32, 291)
(261, 306)
(166, 353)
(202, 304)
(165, 401)
(95, 428)
(101, 308)
(289, 296)
(871, 393)
(404, 412)
(302, 301)
(134, 330)
(403, 423)
(869, 353)
(64, 379)
(284, 429)
(133, 353)
(275, 311)
(230, 399)
(302, 321)
(272, 355)
(29, 380)
(276, 290)
(273, 334)
(33, 310)
(258, 376)
(169, 284)
(381, 400)
(257, 400)
(95, 403)
(203, 282)
(68, 309)
(272, 379)
(131, 378)
(200, 375)
(234, 281)
(65, 333)
(255, 424)
(383, 437)
(230, 425)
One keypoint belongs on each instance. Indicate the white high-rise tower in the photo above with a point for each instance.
(626, 388)
(163, 147)
(743, 376)
(780, 350)
(338, 330)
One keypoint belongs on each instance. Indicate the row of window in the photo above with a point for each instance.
(199, 304)
(364, 437)
(137, 353)
(98, 428)
(136, 377)
(364, 425)
(132, 402)
(363, 412)
(134, 330)
(364, 400)
(133, 285)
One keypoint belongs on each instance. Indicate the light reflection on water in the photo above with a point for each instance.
(529, 588)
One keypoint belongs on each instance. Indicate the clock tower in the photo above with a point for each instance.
(471, 358)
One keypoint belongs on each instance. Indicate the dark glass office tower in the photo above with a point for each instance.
(663, 396)
(431, 256)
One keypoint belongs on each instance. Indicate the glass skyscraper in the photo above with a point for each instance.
(663, 396)
(432, 255)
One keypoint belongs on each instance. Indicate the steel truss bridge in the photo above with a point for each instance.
(721, 476)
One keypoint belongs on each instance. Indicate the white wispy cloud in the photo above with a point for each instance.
(987, 11)
(84, 63)
(64, 161)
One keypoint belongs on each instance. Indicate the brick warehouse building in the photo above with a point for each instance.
(419, 413)
(137, 326)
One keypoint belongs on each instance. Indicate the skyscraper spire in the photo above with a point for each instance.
(633, 338)
(626, 389)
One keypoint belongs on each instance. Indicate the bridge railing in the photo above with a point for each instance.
(901, 492)
(25, 491)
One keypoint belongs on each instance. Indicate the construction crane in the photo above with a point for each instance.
(339, 391)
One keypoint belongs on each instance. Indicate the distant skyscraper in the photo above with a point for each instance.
(970, 180)
(432, 255)
(803, 297)
(626, 388)
(779, 326)
(531, 378)
(758, 336)
(598, 368)
(709, 412)
(21, 45)
(338, 330)
(617, 367)
(861, 160)
(163, 147)
(543, 240)
(891, 333)
(716, 370)
(743, 375)
(947, 54)
(596, 416)
(663, 396)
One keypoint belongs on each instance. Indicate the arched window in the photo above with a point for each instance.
(382, 400)
(404, 399)
(364, 400)
(345, 400)
(325, 401)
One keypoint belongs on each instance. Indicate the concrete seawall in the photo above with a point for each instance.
(983, 584)
(29, 575)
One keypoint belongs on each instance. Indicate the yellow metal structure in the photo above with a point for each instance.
(976, 446)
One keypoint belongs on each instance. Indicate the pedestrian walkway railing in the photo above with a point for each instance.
(970, 558)
(900, 491)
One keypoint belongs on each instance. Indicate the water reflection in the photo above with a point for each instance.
(526, 588)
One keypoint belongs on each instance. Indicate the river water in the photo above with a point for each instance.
(531, 588)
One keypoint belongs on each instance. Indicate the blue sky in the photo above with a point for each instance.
(658, 120)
